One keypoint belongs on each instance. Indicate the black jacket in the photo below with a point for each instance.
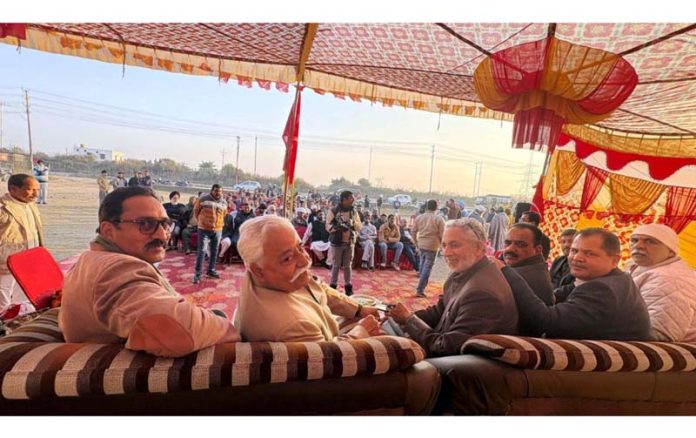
(535, 272)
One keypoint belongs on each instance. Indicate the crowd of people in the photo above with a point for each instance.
(115, 292)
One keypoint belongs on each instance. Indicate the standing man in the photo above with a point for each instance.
(410, 250)
(41, 175)
(146, 180)
(119, 181)
(498, 229)
(210, 211)
(560, 269)
(20, 229)
(453, 212)
(427, 233)
(343, 226)
(104, 186)
(134, 181)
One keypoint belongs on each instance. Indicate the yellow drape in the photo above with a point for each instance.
(632, 195)
(569, 171)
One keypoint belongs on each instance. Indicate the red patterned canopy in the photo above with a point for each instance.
(426, 66)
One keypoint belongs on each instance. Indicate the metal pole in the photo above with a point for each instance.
(432, 165)
(31, 147)
(256, 147)
(369, 167)
(222, 162)
(236, 170)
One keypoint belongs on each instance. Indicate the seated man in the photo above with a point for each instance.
(532, 217)
(666, 282)
(367, 238)
(476, 298)
(115, 294)
(389, 237)
(522, 253)
(280, 301)
(300, 219)
(230, 232)
(318, 236)
(560, 270)
(410, 250)
(603, 303)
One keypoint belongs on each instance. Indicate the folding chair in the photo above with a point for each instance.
(38, 274)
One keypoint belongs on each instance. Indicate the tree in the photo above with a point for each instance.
(339, 183)
(364, 183)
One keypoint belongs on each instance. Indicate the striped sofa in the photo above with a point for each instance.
(41, 374)
(516, 375)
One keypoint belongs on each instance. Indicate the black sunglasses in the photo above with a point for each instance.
(148, 225)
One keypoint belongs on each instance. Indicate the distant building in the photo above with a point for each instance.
(98, 154)
(493, 200)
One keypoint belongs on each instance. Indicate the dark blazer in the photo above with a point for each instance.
(476, 301)
(608, 307)
(545, 246)
(535, 272)
(559, 269)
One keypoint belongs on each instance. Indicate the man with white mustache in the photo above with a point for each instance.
(666, 282)
(280, 301)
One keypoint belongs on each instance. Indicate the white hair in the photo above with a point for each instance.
(468, 224)
(252, 235)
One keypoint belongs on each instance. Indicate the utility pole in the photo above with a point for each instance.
(222, 163)
(477, 178)
(369, 166)
(528, 182)
(256, 149)
(432, 165)
(31, 147)
(236, 170)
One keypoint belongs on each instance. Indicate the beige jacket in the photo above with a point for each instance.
(104, 184)
(110, 297)
(427, 231)
(13, 228)
(305, 315)
(389, 235)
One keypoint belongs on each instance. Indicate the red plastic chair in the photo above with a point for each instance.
(38, 274)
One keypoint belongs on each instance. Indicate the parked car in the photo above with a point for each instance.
(183, 183)
(247, 186)
(399, 200)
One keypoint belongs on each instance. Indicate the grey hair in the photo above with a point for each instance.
(468, 224)
(252, 234)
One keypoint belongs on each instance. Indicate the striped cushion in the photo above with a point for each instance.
(31, 369)
(42, 329)
(586, 355)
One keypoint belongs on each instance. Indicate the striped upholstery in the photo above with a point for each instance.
(31, 369)
(586, 355)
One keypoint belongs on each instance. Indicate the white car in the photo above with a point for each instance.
(247, 186)
(399, 200)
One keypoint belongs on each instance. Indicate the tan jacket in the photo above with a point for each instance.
(104, 184)
(427, 231)
(305, 315)
(110, 297)
(389, 235)
(13, 228)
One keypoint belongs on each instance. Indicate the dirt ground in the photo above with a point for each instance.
(70, 217)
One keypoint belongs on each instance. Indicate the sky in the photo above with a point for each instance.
(79, 101)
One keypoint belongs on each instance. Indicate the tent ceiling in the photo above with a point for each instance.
(426, 66)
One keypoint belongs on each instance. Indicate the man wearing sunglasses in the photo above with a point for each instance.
(115, 294)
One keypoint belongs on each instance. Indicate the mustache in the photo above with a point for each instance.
(155, 243)
(509, 253)
(636, 252)
(301, 270)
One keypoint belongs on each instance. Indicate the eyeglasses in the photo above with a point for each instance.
(148, 225)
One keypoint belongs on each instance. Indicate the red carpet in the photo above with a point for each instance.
(386, 285)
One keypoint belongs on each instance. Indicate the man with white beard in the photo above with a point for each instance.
(280, 301)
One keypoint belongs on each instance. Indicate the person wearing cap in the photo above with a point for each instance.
(666, 282)
(477, 212)
(119, 181)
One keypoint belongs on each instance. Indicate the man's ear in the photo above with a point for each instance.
(538, 250)
(107, 229)
(256, 270)
(615, 259)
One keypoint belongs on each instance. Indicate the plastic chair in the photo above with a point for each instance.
(38, 274)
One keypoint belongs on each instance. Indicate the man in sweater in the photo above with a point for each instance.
(389, 237)
(115, 294)
(427, 233)
(476, 298)
(210, 211)
(280, 301)
(522, 253)
(666, 282)
(104, 186)
(603, 303)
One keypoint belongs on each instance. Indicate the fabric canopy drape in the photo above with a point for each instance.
(681, 207)
(594, 181)
(632, 195)
(571, 171)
